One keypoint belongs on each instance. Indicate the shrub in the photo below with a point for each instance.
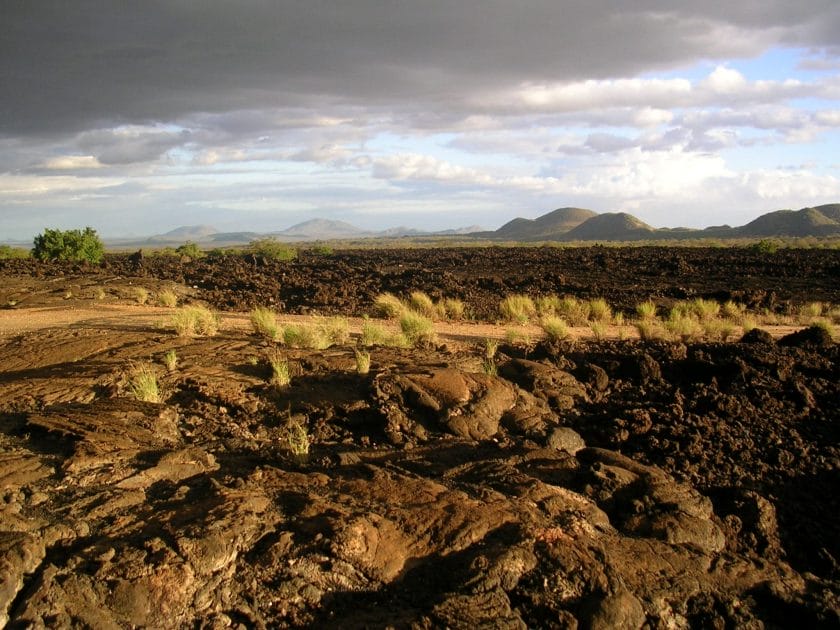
(190, 250)
(141, 295)
(7, 252)
(264, 322)
(322, 250)
(417, 328)
(167, 298)
(143, 383)
(77, 245)
(362, 362)
(272, 249)
(195, 321)
(388, 305)
(765, 246)
(517, 308)
(555, 328)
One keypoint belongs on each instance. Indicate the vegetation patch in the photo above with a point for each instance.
(517, 308)
(77, 245)
(195, 321)
(142, 383)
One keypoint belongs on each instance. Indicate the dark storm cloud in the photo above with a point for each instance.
(69, 66)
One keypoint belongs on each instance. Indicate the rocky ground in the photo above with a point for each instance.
(605, 485)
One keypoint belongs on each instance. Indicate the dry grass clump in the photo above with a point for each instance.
(705, 310)
(372, 334)
(518, 337)
(808, 313)
(280, 373)
(264, 322)
(649, 329)
(170, 360)
(517, 308)
(491, 346)
(195, 321)
(548, 305)
(573, 311)
(600, 311)
(296, 438)
(646, 310)
(453, 309)
(305, 336)
(417, 328)
(719, 329)
(335, 329)
(733, 310)
(423, 304)
(599, 330)
(555, 328)
(167, 298)
(362, 361)
(388, 305)
(141, 295)
(684, 326)
(142, 382)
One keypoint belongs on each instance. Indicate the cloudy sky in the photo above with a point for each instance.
(139, 117)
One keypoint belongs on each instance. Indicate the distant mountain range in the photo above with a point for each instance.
(563, 224)
(577, 224)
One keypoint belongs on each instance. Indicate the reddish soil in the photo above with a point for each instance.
(604, 485)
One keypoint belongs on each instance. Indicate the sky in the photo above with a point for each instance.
(137, 118)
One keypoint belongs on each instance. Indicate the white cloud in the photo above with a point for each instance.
(72, 162)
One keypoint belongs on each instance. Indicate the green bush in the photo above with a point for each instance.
(765, 246)
(189, 249)
(78, 245)
(6, 252)
(272, 248)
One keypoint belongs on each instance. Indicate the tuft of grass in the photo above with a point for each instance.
(648, 329)
(305, 336)
(517, 308)
(264, 322)
(748, 323)
(809, 312)
(548, 305)
(573, 311)
(646, 310)
(417, 328)
(141, 295)
(454, 309)
(142, 382)
(280, 374)
(362, 361)
(733, 310)
(372, 334)
(296, 438)
(423, 304)
(718, 329)
(599, 330)
(195, 321)
(825, 325)
(491, 346)
(555, 328)
(488, 366)
(388, 305)
(517, 337)
(167, 298)
(170, 360)
(335, 330)
(683, 326)
(599, 310)
(705, 310)
(99, 293)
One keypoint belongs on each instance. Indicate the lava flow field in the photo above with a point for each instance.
(594, 484)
